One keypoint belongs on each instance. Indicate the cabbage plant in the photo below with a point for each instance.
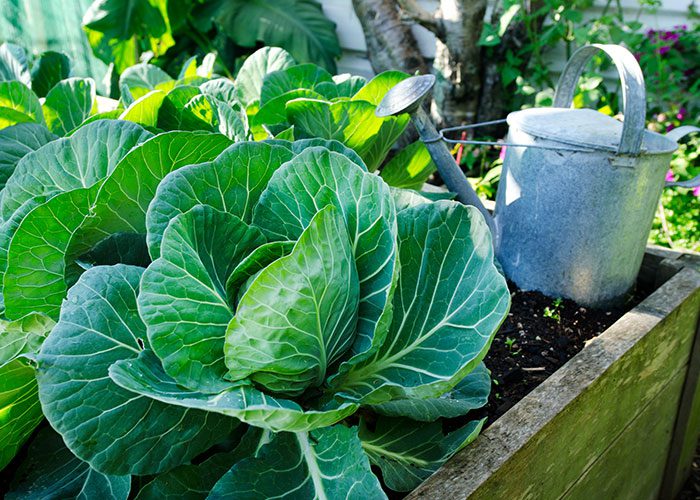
(299, 321)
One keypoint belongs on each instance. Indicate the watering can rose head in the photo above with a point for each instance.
(289, 286)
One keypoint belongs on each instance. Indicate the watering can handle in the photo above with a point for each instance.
(633, 91)
(676, 135)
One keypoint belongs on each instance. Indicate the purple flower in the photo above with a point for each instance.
(681, 27)
(670, 127)
(669, 36)
(696, 191)
(663, 50)
(669, 176)
(682, 113)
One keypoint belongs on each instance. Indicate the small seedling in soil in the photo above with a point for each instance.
(510, 344)
(553, 312)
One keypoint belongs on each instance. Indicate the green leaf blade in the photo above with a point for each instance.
(183, 296)
(100, 325)
(449, 302)
(287, 332)
(69, 103)
(145, 376)
(324, 464)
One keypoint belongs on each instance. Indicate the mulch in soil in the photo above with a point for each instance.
(539, 336)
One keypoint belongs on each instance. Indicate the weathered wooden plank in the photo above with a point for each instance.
(541, 446)
(687, 429)
(632, 466)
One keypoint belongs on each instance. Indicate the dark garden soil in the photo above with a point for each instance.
(539, 336)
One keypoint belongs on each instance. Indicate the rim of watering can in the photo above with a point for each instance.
(583, 129)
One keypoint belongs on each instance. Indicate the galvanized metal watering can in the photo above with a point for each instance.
(578, 189)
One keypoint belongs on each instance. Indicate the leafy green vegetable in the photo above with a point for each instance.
(224, 308)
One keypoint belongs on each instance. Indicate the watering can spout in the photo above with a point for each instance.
(407, 97)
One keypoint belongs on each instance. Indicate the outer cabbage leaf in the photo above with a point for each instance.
(18, 141)
(48, 70)
(299, 315)
(100, 325)
(38, 281)
(410, 168)
(249, 80)
(303, 76)
(140, 79)
(123, 199)
(18, 104)
(222, 89)
(144, 110)
(351, 122)
(195, 481)
(52, 471)
(408, 452)
(449, 302)
(375, 90)
(317, 178)
(231, 183)
(322, 464)
(69, 103)
(183, 294)
(23, 336)
(470, 393)
(20, 411)
(145, 376)
(79, 161)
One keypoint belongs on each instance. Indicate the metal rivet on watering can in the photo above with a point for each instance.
(578, 189)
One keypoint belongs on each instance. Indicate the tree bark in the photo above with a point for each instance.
(457, 63)
(390, 42)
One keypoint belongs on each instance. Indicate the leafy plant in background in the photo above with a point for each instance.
(127, 32)
(180, 253)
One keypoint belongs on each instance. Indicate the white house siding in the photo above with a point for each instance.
(354, 60)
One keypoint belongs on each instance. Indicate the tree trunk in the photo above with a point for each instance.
(390, 42)
(457, 63)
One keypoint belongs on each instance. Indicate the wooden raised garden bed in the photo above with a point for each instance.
(620, 420)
